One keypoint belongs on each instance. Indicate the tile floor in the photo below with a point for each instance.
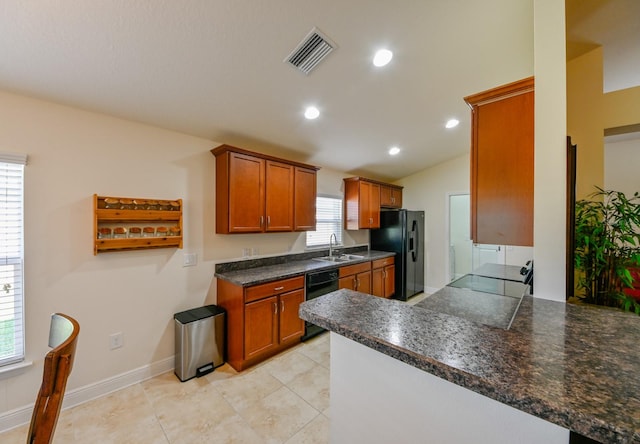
(283, 400)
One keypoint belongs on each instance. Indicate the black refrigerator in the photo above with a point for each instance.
(402, 232)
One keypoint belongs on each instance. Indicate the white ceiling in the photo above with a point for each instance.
(214, 68)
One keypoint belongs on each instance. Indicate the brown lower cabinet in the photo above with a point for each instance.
(356, 277)
(262, 320)
(383, 277)
(376, 278)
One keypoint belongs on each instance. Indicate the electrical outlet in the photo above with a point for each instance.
(115, 340)
(246, 252)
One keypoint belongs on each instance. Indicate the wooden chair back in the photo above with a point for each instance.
(63, 337)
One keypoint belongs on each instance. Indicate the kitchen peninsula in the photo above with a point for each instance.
(401, 373)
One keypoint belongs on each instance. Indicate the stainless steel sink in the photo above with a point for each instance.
(339, 258)
(330, 259)
(351, 257)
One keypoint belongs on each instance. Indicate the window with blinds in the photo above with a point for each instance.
(328, 222)
(11, 258)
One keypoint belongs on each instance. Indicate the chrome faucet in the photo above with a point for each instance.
(334, 238)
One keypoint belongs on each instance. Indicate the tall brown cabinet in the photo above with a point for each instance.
(502, 160)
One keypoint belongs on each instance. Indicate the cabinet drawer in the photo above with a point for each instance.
(354, 269)
(272, 288)
(383, 262)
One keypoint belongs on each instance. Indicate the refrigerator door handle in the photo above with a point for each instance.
(414, 235)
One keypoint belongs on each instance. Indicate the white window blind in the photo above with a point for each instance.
(328, 221)
(11, 258)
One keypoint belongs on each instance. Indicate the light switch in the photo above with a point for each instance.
(190, 259)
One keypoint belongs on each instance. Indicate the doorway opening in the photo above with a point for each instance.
(464, 255)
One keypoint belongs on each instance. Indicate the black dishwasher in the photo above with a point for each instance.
(318, 284)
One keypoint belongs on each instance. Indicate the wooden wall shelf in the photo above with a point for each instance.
(137, 215)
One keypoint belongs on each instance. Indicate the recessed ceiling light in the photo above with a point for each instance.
(394, 150)
(311, 112)
(382, 57)
(452, 123)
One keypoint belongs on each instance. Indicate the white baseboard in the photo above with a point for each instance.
(72, 398)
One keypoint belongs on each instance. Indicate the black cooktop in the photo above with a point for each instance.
(485, 284)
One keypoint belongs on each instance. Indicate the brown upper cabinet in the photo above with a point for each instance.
(256, 193)
(502, 156)
(390, 196)
(304, 206)
(363, 199)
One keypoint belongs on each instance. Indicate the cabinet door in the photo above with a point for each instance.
(364, 210)
(389, 281)
(279, 196)
(383, 281)
(363, 282)
(396, 197)
(260, 327)
(374, 206)
(305, 199)
(369, 211)
(385, 196)
(291, 326)
(377, 282)
(502, 157)
(348, 282)
(390, 197)
(246, 193)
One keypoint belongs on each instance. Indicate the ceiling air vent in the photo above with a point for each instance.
(311, 51)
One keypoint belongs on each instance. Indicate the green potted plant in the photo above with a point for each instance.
(608, 248)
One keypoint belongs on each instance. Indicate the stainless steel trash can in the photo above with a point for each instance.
(200, 339)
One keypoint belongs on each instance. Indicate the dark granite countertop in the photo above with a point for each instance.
(287, 266)
(576, 366)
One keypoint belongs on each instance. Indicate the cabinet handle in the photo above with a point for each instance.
(281, 306)
(275, 308)
(261, 221)
(278, 288)
(355, 283)
(268, 221)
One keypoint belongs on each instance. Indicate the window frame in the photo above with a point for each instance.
(12, 185)
(319, 220)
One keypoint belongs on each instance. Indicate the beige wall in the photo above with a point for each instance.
(74, 154)
(589, 113)
(622, 158)
(622, 108)
(585, 119)
(429, 190)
